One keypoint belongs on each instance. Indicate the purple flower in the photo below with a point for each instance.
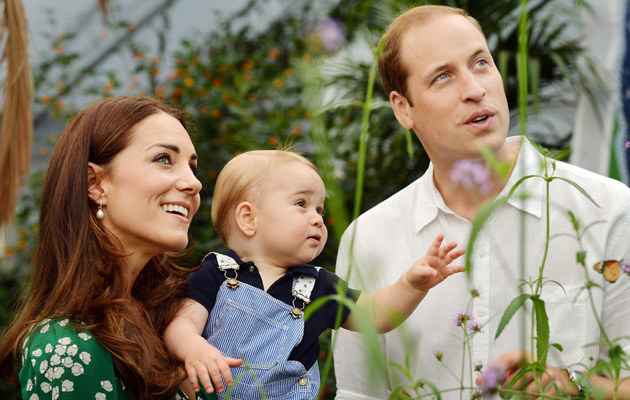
(474, 327)
(627, 144)
(492, 379)
(438, 354)
(477, 366)
(462, 317)
(472, 174)
(474, 292)
(476, 394)
(625, 267)
(329, 35)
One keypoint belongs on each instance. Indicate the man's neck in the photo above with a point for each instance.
(465, 201)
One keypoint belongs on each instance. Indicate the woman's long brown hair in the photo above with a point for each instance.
(77, 264)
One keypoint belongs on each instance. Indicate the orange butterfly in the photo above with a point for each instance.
(611, 269)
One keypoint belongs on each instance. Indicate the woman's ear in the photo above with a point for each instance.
(95, 190)
(245, 214)
(401, 108)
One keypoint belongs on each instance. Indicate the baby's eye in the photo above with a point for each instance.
(321, 211)
(300, 203)
(162, 159)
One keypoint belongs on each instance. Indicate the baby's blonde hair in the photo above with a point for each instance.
(245, 178)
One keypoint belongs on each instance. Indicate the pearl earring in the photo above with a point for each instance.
(100, 214)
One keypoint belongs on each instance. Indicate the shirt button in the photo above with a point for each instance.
(303, 381)
(480, 312)
(251, 268)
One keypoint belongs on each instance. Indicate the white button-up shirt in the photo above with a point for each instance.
(509, 249)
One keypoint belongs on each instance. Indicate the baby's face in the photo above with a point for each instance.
(290, 224)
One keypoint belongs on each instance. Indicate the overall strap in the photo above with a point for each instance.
(227, 263)
(303, 286)
(301, 289)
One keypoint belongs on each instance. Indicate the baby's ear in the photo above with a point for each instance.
(245, 218)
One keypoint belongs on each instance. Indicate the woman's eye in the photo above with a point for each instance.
(162, 159)
(482, 63)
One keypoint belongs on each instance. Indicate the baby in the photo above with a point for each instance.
(242, 326)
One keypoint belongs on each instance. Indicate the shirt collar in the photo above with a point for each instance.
(428, 200)
(303, 269)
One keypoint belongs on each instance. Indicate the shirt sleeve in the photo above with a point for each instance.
(333, 283)
(60, 362)
(204, 283)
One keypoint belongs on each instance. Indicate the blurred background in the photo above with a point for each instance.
(261, 73)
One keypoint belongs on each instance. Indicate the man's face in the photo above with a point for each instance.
(456, 90)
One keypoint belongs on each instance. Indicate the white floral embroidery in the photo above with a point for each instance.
(100, 396)
(29, 385)
(33, 362)
(34, 396)
(107, 385)
(85, 336)
(44, 328)
(55, 393)
(37, 353)
(67, 362)
(77, 369)
(46, 387)
(49, 374)
(43, 366)
(73, 350)
(55, 359)
(60, 349)
(64, 340)
(57, 372)
(67, 386)
(64, 322)
(48, 348)
(85, 357)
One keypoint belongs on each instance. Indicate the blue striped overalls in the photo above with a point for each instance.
(250, 324)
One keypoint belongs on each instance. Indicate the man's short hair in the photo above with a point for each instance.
(245, 178)
(393, 72)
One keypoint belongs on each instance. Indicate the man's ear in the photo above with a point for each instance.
(95, 190)
(402, 109)
(245, 214)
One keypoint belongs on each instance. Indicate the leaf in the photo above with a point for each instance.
(542, 329)
(578, 187)
(510, 311)
(581, 257)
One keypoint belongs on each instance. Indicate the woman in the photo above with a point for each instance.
(119, 194)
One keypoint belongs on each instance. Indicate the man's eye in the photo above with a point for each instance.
(482, 63)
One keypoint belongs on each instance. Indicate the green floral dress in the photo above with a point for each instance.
(59, 362)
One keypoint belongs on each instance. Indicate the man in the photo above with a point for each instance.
(443, 84)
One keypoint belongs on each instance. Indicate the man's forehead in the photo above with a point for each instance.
(439, 36)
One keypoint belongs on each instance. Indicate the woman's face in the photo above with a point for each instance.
(150, 192)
